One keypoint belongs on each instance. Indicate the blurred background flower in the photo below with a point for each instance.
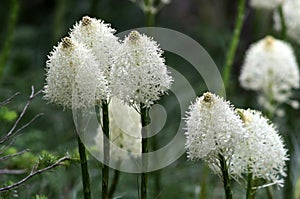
(125, 132)
(267, 4)
(271, 69)
(292, 19)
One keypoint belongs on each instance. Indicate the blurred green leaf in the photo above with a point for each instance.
(39, 197)
(8, 194)
(7, 115)
(23, 161)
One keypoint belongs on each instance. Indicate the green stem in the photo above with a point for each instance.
(105, 168)
(270, 115)
(145, 121)
(250, 193)
(156, 174)
(270, 192)
(157, 182)
(149, 16)
(84, 170)
(203, 193)
(289, 188)
(225, 175)
(234, 42)
(114, 184)
(8, 41)
(270, 98)
(282, 22)
(150, 22)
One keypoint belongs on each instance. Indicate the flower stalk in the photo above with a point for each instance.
(150, 22)
(84, 170)
(203, 185)
(8, 41)
(106, 146)
(114, 184)
(270, 193)
(234, 42)
(250, 194)
(282, 22)
(145, 121)
(149, 15)
(105, 168)
(226, 178)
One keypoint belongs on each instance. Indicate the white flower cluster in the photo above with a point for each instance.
(263, 153)
(246, 139)
(85, 80)
(290, 9)
(92, 65)
(270, 67)
(213, 128)
(133, 71)
(71, 69)
(139, 71)
(266, 4)
(125, 131)
(99, 37)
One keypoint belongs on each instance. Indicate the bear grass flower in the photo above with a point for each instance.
(266, 4)
(139, 74)
(151, 6)
(213, 128)
(290, 9)
(99, 37)
(71, 69)
(263, 153)
(125, 131)
(165, 1)
(270, 68)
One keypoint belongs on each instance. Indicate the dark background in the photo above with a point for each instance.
(39, 25)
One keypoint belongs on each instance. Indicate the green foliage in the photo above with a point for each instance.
(8, 194)
(7, 115)
(28, 159)
(46, 159)
(23, 161)
(40, 197)
(10, 151)
(6, 48)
